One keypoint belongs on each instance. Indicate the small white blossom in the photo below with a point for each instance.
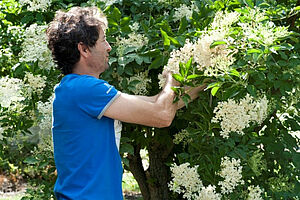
(11, 91)
(134, 27)
(231, 171)
(208, 193)
(235, 116)
(261, 32)
(141, 87)
(133, 40)
(179, 56)
(34, 47)
(185, 180)
(255, 193)
(35, 5)
(35, 83)
(185, 11)
(45, 110)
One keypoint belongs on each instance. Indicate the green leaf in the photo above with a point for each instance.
(165, 39)
(126, 148)
(234, 72)
(182, 69)
(214, 90)
(186, 98)
(31, 160)
(174, 41)
(250, 51)
(129, 49)
(183, 25)
(116, 14)
(249, 3)
(178, 78)
(125, 21)
(252, 90)
(193, 76)
(158, 62)
(216, 43)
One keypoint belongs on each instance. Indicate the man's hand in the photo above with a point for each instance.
(193, 92)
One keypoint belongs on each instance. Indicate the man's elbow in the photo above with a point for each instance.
(166, 120)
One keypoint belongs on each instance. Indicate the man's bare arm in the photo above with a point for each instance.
(136, 109)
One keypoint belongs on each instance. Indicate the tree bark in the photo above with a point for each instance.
(153, 183)
(137, 169)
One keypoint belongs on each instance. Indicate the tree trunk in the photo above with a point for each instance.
(153, 183)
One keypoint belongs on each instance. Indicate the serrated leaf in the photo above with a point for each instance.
(31, 160)
(178, 78)
(216, 43)
(165, 38)
(126, 148)
(183, 25)
(186, 98)
(250, 51)
(157, 63)
(193, 76)
(252, 90)
(214, 90)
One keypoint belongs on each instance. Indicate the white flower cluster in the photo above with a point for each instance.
(34, 47)
(185, 180)
(45, 110)
(255, 193)
(185, 11)
(35, 84)
(235, 116)
(263, 32)
(35, 5)
(134, 40)
(231, 171)
(141, 86)
(11, 91)
(134, 27)
(182, 136)
(180, 56)
(208, 193)
(213, 61)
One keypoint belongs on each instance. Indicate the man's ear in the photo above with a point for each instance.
(83, 49)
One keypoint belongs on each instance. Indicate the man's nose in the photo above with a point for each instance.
(108, 47)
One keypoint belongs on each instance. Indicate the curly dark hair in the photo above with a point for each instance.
(70, 28)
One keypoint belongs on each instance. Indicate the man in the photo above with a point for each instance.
(86, 156)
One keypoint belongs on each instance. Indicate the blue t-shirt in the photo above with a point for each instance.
(85, 152)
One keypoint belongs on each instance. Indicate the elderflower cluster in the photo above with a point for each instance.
(235, 116)
(11, 91)
(35, 5)
(208, 193)
(231, 171)
(134, 40)
(36, 83)
(185, 180)
(182, 136)
(263, 32)
(255, 193)
(185, 11)
(213, 61)
(34, 47)
(45, 111)
(143, 81)
(134, 27)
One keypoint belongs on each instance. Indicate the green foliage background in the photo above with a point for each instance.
(275, 168)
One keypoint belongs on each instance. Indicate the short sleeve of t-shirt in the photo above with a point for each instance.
(96, 96)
